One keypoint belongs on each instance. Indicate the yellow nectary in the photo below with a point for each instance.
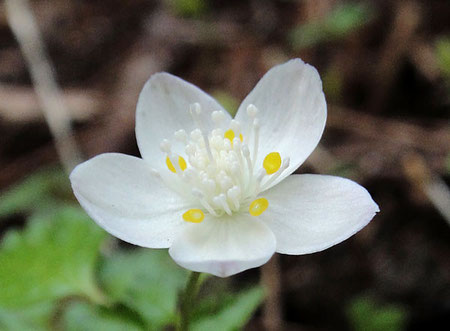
(181, 163)
(220, 169)
(272, 162)
(194, 216)
(258, 206)
(230, 135)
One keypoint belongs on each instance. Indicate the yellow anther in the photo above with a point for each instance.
(258, 206)
(272, 162)
(181, 163)
(194, 216)
(241, 137)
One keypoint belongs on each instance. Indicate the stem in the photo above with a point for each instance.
(187, 300)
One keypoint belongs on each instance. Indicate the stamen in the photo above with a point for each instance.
(233, 194)
(222, 176)
(195, 110)
(194, 216)
(272, 162)
(181, 136)
(222, 201)
(237, 147)
(255, 138)
(231, 136)
(252, 111)
(284, 166)
(165, 146)
(259, 178)
(197, 193)
(226, 183)
(258, 206)
(218, 117)
(246, 154)
(236, 127)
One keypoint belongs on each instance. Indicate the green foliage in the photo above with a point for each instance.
(347, 170)
(81, 316)
(341, 21)
(234, 314)
(366, 315)
(333, 83)
(227, 101)
(52, 258)
(34, 318)
(39, 191)
(188, 8)
(447, 163)
(147, 281)
(443, 56)
(53, 275)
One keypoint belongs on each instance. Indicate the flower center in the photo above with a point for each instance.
(220, 168)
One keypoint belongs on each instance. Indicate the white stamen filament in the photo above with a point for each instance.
(255, 138)
(220, 171)
(246, 153)
(195, 111)
(176, 164)
(222, 201)
(275, 176)
(197, 193)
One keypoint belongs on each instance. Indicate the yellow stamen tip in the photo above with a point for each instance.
(241, 137)
(181, 163)
(194, 216)
(258, 206)
(272, 162)
(229, 135)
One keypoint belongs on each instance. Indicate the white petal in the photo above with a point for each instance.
(162, 109)
(309, 213)
(292, 113)
(224, 246)
(124, 197)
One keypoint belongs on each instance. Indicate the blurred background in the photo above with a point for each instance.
(73, 69)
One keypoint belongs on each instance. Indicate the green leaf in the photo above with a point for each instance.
(234, 315)
(53, 257)
(333, 84)
(34, 318)
(188, 8)
(81, 316)
(348, 17)
(227, 101)
(447, 163)
(147, 281)
(341, 21)
(443, 55)
(366, 315)
(39, 191)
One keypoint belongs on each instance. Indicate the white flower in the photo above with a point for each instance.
(217, 190)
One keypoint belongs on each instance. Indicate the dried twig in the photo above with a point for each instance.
(431, 185)
(21, 104)
(431, 139)
(25, 29)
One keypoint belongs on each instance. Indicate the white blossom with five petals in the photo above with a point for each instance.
(216, 191)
